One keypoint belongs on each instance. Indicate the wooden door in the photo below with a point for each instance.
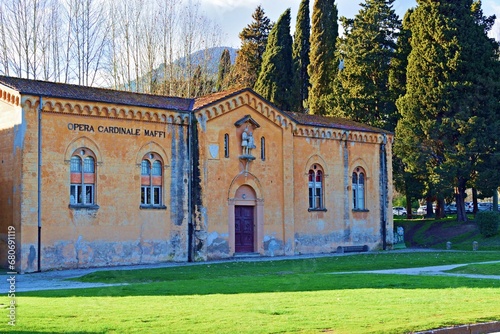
(243, 229)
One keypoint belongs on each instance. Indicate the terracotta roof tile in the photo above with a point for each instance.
(75, 92)
(332, 122)
(206, 100)
(59, 90)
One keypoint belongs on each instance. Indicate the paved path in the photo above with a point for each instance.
(50, 280)
(428, 271)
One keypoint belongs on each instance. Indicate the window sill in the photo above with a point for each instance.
(83, 206)
(152, 207)
(360, 210)
(316, 210)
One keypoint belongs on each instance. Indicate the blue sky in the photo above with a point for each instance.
(234, 15)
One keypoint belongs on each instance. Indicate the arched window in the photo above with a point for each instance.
(316, 188)
(358, 189)
(151, 181)
(263, 148)
(82, 178)
(226, 146)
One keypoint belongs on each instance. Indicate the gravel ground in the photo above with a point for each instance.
(57, 279)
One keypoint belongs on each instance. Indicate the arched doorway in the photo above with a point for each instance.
(245, 220)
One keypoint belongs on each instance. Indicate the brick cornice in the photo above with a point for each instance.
(97, 109)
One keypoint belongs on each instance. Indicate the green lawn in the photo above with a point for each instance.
(478, 269)
(292, 296)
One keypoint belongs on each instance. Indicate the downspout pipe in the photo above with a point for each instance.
(383, 188)
(39, 184)
(190, 241)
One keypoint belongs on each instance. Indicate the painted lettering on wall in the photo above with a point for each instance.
(116, 130)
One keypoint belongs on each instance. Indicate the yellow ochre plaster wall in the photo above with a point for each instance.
(280, 182)
(118, 231)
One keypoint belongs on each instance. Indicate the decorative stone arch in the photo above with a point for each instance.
(79, 143)
(315, 159)
(245, 190)
(152, 147)
(359, 162)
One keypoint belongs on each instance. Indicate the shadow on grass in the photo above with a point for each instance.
(273, 283)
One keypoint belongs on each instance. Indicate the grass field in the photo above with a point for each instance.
(290, 296)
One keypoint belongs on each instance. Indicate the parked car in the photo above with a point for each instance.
(484, 206)
(469, 207)
(450, 208)
(422, 210)
(399, 211)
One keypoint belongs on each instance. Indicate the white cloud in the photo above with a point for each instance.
(492, 7)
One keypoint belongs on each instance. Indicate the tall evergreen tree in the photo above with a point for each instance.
(224, 70)
(323, 66)
(253, 44)
(450, 112)
(301, 49)
(277, 82)
(366, 50)
(411, 184)
(399, 61)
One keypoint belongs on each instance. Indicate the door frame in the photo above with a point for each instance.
(253, 226)
(258, 217)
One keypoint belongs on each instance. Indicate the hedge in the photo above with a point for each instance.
(488, 222)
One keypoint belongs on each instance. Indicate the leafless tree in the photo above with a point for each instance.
(89, 38)
(168, 22)
(139, 45)
(4, 57)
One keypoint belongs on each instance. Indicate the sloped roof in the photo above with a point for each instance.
(206, 100)
(299, 118)
(332, 122)
(75, 92)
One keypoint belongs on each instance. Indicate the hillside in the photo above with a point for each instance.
(207, 59)
(429, 233)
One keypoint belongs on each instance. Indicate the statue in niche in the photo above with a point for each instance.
(247, 142)
(244, 141)
(251, 143)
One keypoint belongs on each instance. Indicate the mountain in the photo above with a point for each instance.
(209, 58)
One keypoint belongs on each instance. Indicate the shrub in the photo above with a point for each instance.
(488, 222)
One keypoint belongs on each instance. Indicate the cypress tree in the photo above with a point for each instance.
(366, 50)
(277, 82)
(399, 62)
(301, 49)
(224, 70)
(323, 66)
(411, 184)
(450, 112)
(253, 44)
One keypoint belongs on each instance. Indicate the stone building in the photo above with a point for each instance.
(96, 177)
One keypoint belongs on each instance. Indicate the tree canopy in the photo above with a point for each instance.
(450, 112)
(277, 80)
(253, 44)
(366, 50)
(224, 71)
(301, 49)
(323, 64)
